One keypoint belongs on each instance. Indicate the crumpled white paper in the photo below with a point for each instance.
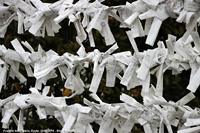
(155, 112)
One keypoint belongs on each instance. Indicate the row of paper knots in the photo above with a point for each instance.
(36, 17)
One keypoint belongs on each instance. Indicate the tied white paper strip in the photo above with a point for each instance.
(77, 118)
(36, 17)
(44, 63)
(153, 114)
(43, 67)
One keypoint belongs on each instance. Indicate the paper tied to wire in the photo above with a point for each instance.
(132, 70)
(43, 19)
(18, 10)
(153, 115)
(136, 67)
(46, 16)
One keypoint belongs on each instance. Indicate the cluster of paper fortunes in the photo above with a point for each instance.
(155, 112)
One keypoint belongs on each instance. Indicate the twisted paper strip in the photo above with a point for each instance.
(153, 114)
